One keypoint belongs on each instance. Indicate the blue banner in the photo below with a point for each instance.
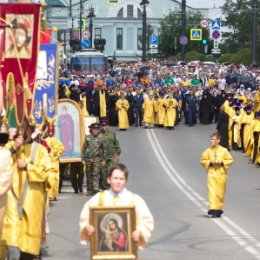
(45, 97)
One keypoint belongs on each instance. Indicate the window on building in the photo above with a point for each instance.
(119, 38)
(139, 13)
(130, 11)
(139, 38)
(120, 13)
(98, 33)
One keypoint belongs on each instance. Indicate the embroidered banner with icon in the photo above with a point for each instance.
(21, 42)
(45, 91)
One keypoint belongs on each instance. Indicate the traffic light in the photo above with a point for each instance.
(100, 44)
(204, 41)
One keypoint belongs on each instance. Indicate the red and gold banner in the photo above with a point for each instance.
(1, 57)
(46, 36)
(21, 46)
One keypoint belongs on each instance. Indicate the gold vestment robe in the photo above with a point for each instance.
(149, 107)
(217, 176)
(170, 116)
(57, 150)
(26, 199)
(122, 105)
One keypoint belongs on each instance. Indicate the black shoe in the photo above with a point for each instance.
(95, 192)
(89, 193)
(210, 212)
(217, 213)
(76, 191)
(80, 190)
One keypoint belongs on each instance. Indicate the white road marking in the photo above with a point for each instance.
(237, 233)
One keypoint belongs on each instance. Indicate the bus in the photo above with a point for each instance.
(87, 62)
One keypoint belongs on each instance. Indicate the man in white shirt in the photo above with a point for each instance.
(117, 179)
(6, 175)
(221, 83)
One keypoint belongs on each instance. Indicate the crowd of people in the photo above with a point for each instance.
(156, 95)
(132, 94)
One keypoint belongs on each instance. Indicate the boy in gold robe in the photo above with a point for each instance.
(216, 160)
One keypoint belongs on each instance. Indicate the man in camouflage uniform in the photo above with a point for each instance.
(113, 153)
(94, 155)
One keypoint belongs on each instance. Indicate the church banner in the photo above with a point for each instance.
(21, 43)
(1, 57)
(45, 97)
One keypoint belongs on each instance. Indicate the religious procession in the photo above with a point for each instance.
(41, 139)
(157, 95)
(55, 125)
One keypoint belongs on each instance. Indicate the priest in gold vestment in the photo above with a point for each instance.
(216, 160)
(22, 229)
(56, 150)
(122, 105)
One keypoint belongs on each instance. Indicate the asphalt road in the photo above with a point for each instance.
(165, 170)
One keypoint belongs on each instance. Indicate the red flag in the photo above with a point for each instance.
(46, 36)
(21, 46)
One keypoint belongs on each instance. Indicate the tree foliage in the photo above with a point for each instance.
(170, 32)
(238, 18)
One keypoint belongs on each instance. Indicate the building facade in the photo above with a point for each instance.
(117, 21)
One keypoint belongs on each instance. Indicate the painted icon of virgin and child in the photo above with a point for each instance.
(114, 237)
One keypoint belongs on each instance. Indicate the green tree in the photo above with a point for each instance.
(238, 18)
(170, 32)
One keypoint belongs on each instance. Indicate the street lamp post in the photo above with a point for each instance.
(80, 24)
(90, 16)
(254, 32)
(183, 27)
(144, 3)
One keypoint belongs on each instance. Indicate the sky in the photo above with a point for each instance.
(205, 3)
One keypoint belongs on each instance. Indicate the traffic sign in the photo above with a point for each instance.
(85, 44)
(77, 23)
(204, 23)
(154, 51)
(153, 40)
(86, 34)
(216, 35)
(216, 25)
(215, 44)
(215, 51)
(183, 40)
(195, 34)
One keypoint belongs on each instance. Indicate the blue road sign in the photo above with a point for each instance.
(153, 39)
(85, 43)
(216, 25)
(195, 34)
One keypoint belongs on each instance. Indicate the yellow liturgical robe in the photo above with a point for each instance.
(149, 107)
(170, 117)
(144, 219)
(102, 103)
(26, 199)
(57, 150)
(160, 111)
(246, 122)
(217, 175)
(122, 105)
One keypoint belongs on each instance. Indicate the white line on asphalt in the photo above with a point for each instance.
(237, 233)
